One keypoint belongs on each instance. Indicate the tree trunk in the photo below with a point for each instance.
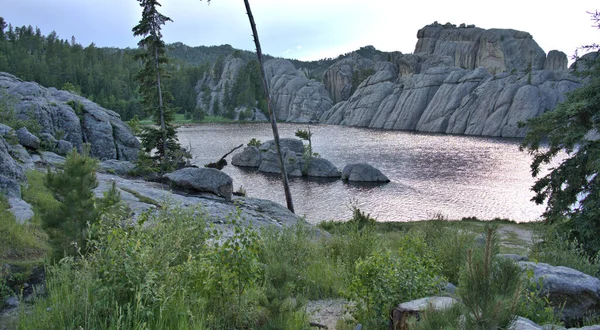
(163, 127)
(284, 177)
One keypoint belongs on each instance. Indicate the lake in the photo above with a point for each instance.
(431, 174)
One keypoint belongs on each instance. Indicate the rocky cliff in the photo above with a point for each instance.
(63, 116)
(295, 97)
(461, 80)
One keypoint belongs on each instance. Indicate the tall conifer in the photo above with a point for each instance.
(155, 100)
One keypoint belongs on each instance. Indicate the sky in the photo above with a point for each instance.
(306, 29)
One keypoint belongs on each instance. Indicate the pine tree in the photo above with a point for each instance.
(155, 100)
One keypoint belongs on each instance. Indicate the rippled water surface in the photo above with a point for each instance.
(456, 176)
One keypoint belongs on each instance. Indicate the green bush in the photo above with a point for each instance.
(382, 280)
(254, 143)
(555, 248)
(449, 246)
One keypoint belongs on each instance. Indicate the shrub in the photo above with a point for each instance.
(557, 249)
(383, 280)
(254, 143)
(73, 188)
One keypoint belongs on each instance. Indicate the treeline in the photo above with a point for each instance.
(103, 75)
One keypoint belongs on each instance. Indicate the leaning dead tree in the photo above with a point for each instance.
(219, 164)
(284, 177)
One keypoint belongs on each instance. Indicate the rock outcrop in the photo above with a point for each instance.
(462, 80)
(361, 172)
(69, 117)
(295, 98)
(497, 50)
(266, 160)
(572, 292)
(338, 78)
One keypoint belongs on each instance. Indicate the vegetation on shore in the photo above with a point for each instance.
(173, 270)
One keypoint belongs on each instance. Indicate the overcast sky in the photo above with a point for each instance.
(306, 29)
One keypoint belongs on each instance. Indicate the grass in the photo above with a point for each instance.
(142, 198)
(181, 273)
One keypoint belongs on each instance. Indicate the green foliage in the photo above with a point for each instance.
(489, 287)
(358, 76)
(382, 280)
(449, 246)
(246, 91)
(8, 116)
(254, 143)
(73, 189)
(534, 303)
(308, 154)
(68, 86)
(134, 124)
(19, 241)
(571, 189)
(555, 248)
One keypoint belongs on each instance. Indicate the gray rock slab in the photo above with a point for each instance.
(249, 157)
(320, 167)
(579, 292)
(27, 139)
(22, 210)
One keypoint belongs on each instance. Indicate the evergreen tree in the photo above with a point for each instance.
(571, 189)
(155, 100)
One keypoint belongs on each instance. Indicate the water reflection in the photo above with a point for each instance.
(457, 176)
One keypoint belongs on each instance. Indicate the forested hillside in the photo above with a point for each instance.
(104, 75)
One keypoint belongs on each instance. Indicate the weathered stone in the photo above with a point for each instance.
(579, 293)
(84, 121)
(9, 187)
(495, 49)
(22, 210)
(63, 147)
(254, 211)
(292, 144)
(556, 60)
(295, 98)
(203, 180)
(27, 139)
(403, 312)
(338, 77)
(362, 172)
(249, 157)
(48, 141)
(51, 158)
(8, 166)
(270, 162)
(4, 129)
(320, 167)
(118, 167)
(521, 323)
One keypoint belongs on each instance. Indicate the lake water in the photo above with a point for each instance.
(431, 174)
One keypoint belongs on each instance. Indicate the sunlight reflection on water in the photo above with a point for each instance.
(457, 176)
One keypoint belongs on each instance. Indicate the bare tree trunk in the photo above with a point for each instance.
(163, 127)
(284, 177)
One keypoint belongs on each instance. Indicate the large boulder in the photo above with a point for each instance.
(27, 139)
(294, 163)
(203, 180)
(9, 187)
(574, 293)
(320, 167)
(249, 157)
(361, 172)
